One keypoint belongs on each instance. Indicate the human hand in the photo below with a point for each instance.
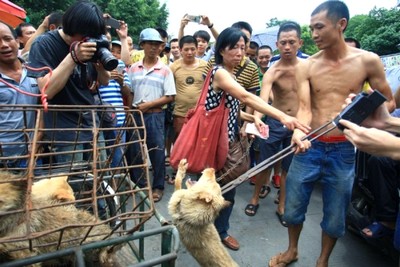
(45, 23)
(292, 123)
(377, 119)
(123, 30)
(184, 21)
(205, 20)
(119, 77)
(85, 51)
(302, 144)
(370, 140)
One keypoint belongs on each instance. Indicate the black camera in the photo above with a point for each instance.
(103, 53)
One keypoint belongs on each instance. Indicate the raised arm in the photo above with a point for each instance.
(223, 80)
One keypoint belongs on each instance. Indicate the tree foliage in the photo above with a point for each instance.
(138, 14)
(378, 31)
(309, 46)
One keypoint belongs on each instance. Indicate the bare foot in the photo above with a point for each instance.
(321, 263)
(283, 259)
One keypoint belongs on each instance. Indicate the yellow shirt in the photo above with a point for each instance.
(139, 55)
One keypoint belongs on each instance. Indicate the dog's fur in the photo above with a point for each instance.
(194, 211)
(47, 193)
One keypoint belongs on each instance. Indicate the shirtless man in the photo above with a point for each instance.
(324, 82)
(281, 79)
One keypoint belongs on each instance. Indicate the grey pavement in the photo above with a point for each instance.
(262, 236)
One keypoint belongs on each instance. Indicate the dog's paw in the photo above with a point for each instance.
(183, 164)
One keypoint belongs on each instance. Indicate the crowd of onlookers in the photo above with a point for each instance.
(162, 77)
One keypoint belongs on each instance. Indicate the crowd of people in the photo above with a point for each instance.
(290, 92)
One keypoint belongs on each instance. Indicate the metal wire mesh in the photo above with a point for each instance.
(101, 182)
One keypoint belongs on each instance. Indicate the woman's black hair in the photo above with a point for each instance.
(227, 38)
(84, 18)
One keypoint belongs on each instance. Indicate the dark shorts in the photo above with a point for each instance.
(279, 138)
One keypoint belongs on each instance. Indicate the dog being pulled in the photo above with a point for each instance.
(51, 211)
(194, 211)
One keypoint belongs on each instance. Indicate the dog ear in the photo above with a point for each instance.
(64, 196)
(205, 196)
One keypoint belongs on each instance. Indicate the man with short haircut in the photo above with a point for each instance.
(175, 50)
(264, 54)
(188, 74)
(252, 50)
(24, 31)
(13, 71)
(281, 80)
(153, 87)
(324, 82)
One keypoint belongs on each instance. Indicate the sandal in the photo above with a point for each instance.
(171, 180)
(251, 209)
(377, 230)
(280, 217)
(265, 190)
(157, 195)
(167, 177)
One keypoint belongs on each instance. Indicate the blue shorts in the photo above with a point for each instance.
(333, 165)
(279, 138)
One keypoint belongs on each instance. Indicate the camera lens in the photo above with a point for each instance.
(108, 61)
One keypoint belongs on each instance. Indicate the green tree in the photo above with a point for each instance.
(378, 31)
(139, 14)
(309, 46)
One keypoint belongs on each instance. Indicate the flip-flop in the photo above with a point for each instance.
(265, 190)
(276, 200)
(377, 230)
(279, 262)
(251, 209)
(280, 217)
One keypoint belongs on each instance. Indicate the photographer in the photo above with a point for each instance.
(76, 68)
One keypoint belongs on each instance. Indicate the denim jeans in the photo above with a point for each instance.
(118, 152)
(333, 165)
(222, 221)
(155, 141)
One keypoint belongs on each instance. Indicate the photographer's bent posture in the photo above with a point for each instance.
(77, 64)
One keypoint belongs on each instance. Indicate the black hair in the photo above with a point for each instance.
(56, 18)
(13, 33)
(288, 26)
(243, 25)
(163, 33)
(254, 45)
(84, 18)
(336, 10)
(264, 47)
(352, 40)
(173, 40)
(227, 38)
(187, 39)
(18, 29)
(203, 35)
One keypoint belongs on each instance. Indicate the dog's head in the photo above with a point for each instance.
(201, 203)
(56, 188)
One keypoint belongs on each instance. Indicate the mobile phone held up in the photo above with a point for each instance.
(113, 23)
(193, 18)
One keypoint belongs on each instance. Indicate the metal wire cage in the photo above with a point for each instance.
(104, 201)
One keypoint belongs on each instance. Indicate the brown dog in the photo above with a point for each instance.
(45, 224)
(193, 211)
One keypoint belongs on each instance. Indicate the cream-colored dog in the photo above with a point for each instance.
(193, 211)
(47, 218)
